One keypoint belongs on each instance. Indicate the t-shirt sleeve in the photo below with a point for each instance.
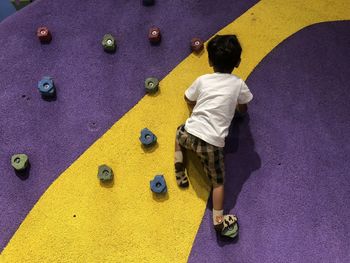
(193, 91)
(245, 95)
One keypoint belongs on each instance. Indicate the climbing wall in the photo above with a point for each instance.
(286, 162)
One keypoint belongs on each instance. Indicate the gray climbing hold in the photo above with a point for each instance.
(109, 43)
(105, 173)
(151, 85)
(19, 161)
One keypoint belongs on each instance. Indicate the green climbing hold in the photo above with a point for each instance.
(108, 43)
(151, 85)
(19, 162)
(19, 4)
(105, 173)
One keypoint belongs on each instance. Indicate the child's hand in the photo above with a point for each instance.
(241, 110)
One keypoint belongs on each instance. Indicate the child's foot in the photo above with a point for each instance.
(227, 225)
(219, 223)
(181, 177)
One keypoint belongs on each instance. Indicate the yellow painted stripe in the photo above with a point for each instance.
(124, 222)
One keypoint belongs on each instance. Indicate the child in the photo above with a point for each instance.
(214, 98)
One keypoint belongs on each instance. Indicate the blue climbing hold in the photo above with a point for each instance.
(46, 87)
(147, 138)
(158, 185)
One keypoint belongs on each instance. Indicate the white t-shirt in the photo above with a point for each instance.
(216, 97)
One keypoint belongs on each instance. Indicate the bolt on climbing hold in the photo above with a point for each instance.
(197, 45)
(158, 184)
(109, 43)
(151, 85)
(19, 161)
(44, 34)
(154, 35)
(46, 87)
(147, 138)
(105, 173)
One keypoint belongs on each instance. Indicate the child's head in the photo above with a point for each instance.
(224, 53)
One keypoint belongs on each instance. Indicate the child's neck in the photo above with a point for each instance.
(222, 71)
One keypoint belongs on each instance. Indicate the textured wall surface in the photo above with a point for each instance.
(286, 163)
(293, 208)
(94, 89)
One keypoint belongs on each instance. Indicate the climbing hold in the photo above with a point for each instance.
(151, 85)
(44, 34)
(105, 173)
(147, 138)
(19, 4)
(46, 87)
(197, 45)
(19, 161)
(154, 35)
(109, 43)
(158, 184)
(148, 2)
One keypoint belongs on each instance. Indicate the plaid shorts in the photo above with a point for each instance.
(211, 157)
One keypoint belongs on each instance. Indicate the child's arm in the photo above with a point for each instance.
(242, 108)
(190, 103)
(244, 97)
(191, 94)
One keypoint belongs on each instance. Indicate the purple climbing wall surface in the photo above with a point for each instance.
(94, 89)
(287, 165)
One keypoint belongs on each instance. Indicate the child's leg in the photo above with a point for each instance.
(181, 177)
(224, 224)
(218, 205)
(218, 197)
(212, 158)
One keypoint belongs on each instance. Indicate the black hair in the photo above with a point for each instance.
(224, 53)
